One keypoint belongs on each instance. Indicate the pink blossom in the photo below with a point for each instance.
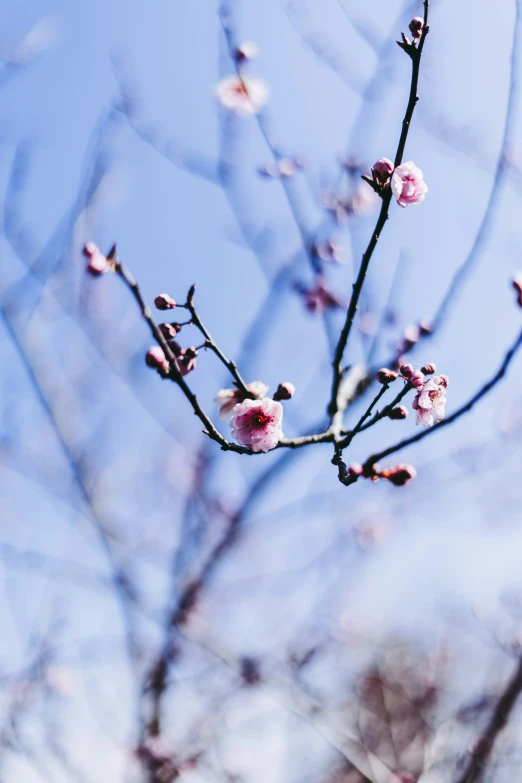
(257, 423)
(244, 96)
(408, 185)
(430, 401)
(229, 398)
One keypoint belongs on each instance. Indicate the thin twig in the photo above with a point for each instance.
(213, 346)
(381, 220)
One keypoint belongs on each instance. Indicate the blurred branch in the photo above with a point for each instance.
(480, 755)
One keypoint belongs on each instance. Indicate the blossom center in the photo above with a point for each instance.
(259, 419)
(240, 89)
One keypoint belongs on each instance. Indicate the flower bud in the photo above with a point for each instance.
(425, 327)
(411, 334)
(429, 368)
(285, 391)
(416, 26)
(355, 469)
(190, 353)
(98, 264)
(164, 302)
(400, 412)
(169, 331)
(386, 376)
(406, 370)
(399, 475)
(247, 51)
(381, 171)
(156, 359)
(417, 379)
(444, 380)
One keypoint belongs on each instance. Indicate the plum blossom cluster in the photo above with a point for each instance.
(255, 418)
(406, 181)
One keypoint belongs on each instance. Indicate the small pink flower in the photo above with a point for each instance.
(430, 402)
(257, 423)
(244, 96)
(408, 185)
(382, 170)
(229, 398)
(98, 264)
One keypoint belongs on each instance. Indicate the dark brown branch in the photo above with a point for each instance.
(415, 55)
(458, 413)
(378, 416)
(499, 719)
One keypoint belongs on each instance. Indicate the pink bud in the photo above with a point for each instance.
(382, 170)
(399, 475)
(417, 379)
(355, 469)
(517, 285)
(156, 359)
(386, 376)
(285, 391)
(425, 327)
(416, 26)
(98, 264)
(247, 51)
(400, 412)
(164, 302)
(412, 334)
(169, 331)
(429, 369)
(406, 370)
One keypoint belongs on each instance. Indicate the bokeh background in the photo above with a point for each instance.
(338, 634)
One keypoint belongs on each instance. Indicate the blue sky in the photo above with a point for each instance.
(174, 227)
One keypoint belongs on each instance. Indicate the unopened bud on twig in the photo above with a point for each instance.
(406, 371)
(164, 302)
(285, 391)
(169, 331)
(399, 475)
(386, 376)
(417, 379)
(247, 51)
(429, 368)
(382, 170)
(156, 359)
(416, 27)
(98, 264)
(400, 412)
